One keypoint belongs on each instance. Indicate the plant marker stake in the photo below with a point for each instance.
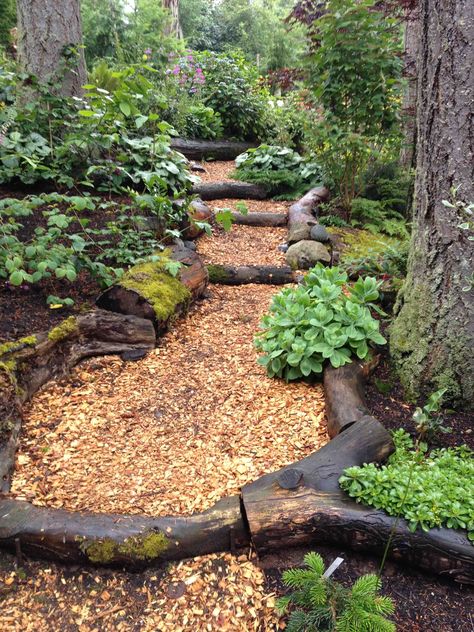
(334, 566)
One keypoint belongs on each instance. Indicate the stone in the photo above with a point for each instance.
(319, 233)
(299, 231)
(283, 247)
(305, 254)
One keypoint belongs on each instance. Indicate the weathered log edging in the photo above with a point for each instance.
(230, 190)
(263, 220)
(302, 214)
(241, 275)
(299, 504)
(215, 149)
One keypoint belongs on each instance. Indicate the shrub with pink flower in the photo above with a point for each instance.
(187, 73)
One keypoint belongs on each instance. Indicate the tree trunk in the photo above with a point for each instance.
(433, 335)
(412, 47)
(174, 26)
(49, 40)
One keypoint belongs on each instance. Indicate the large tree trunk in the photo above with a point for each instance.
(412, 46)
(49, 40)
(174, 26)
(433, 335)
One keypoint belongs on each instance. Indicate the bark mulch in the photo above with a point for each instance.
(192, 422)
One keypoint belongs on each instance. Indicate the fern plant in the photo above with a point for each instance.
(323, 605)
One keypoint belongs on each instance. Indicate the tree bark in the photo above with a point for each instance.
(174, 26)
(433, 335)
(49, 40)
(412, 48)
(230, 190)
(302, 214)
(120, 540)
(215, 149)
(242, 275)
(344, 395)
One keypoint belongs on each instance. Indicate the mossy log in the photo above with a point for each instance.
(242, 275)
(120, 540)
(214, 149)
(147, 290)
(302, 504)
(30, 362)
(264, 220)
(302, 215)
(344, 395)
(230, 190)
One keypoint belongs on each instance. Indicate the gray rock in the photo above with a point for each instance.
(319, 233)
(283, 247)
(299, 231)
(305, 254)
(189, 244)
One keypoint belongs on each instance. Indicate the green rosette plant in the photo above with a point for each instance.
(316, 323)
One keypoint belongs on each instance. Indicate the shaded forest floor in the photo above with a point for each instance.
(192, 422)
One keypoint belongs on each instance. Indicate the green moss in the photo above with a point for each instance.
(362, 243)
(162, 291)
(63, 330)
(217, 274)
(148, 546)
(17, 345)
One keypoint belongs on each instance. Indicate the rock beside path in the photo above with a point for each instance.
(306, 253)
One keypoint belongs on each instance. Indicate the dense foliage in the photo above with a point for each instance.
(320, 603)
(317, 322)
(429, 489)
(280, 169)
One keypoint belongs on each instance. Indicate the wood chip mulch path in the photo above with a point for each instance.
(192, 422)
(172, 434)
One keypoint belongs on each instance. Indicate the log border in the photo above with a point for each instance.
(299, 504)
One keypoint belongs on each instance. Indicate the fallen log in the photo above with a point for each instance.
(302, 216)
(303, 505)
(215, 149)
(229, 190)
(242, 275)
(120, 540)
(148, 291)
(344, 395)
(27, 364)
(264, 220)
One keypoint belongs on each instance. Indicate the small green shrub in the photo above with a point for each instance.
(325, 605)
(387, 183)
(389, 262)
(427, 424)
(280, 169)
(316, 322)
(427, 489)
(333, 220)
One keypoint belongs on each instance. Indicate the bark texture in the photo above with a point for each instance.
(46, 29)
(174, 26)
(412, 48)
(302, 215)
(433, 335)
(120, 540)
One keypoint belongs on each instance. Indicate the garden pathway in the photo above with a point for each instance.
(171, 434)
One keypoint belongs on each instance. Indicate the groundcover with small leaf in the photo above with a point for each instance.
(316, 322)
(428, 489)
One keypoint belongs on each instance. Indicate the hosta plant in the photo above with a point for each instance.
(316, 323)
(323, 604)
